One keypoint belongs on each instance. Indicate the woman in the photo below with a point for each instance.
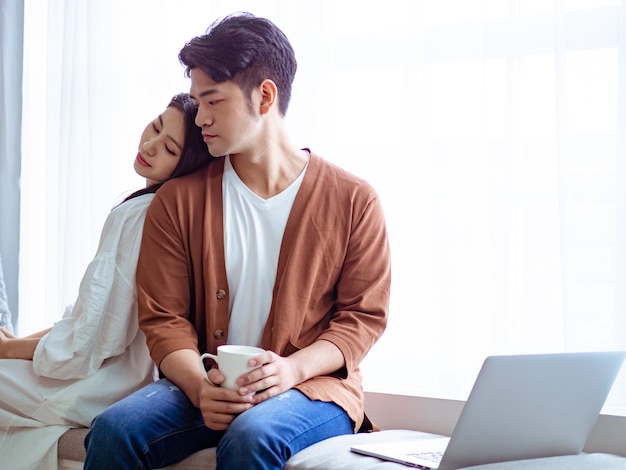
(64, 376)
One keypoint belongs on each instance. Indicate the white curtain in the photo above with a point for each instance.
(11, 33)
(493, 131)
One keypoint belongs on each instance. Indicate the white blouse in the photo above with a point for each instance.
(93, 357)
(102, 323)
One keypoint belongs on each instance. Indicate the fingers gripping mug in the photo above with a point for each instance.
(232, 361)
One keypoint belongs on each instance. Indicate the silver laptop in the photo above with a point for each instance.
(520, 407)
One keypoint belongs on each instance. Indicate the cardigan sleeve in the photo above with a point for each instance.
(163, 281)
(334, 274)
(363, 287)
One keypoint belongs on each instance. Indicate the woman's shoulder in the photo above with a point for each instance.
(135, 205)
(131, 212)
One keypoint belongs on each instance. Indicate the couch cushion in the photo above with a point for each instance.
(335, 454)
(72, 448)
(332, 453)
(71, 445)
(565, 462)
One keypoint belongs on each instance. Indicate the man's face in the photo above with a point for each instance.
(228, 124)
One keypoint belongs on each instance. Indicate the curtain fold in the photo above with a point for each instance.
(492, 130)
(11, 32)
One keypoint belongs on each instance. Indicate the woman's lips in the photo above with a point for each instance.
(141, 160)
(208, 137)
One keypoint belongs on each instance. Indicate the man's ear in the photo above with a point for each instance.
(269, 96)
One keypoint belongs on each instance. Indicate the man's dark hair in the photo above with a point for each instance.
(244, 49)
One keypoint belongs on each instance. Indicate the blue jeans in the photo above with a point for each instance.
(158, 426)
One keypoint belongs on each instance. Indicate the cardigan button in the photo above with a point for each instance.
(220, 294)
(218, 334)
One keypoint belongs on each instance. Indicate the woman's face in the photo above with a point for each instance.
(160, 146)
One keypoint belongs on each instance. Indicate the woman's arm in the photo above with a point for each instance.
(39, 334)
(19, 348)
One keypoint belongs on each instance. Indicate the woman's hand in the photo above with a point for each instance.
(16, 348)
(6, 333)
(5, 342)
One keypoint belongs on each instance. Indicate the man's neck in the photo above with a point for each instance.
(271, 168)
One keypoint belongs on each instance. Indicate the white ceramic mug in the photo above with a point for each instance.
(232, 361)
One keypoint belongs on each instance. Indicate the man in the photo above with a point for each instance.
(271, 246)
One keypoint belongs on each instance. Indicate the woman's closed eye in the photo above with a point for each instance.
(170, 151)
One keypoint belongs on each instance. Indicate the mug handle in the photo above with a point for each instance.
(201, 364)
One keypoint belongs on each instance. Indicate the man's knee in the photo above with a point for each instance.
(104, 428)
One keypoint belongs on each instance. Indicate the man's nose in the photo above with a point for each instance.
(203, 118)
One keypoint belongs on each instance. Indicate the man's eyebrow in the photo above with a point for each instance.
(210, 91)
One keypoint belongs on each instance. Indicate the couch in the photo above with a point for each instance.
(405, 417)
(335, 454)
(412, 418)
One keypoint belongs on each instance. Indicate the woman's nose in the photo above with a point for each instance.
(148, 147)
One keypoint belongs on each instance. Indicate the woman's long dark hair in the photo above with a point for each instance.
(195, 153)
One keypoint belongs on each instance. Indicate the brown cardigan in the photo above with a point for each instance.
(332, 279)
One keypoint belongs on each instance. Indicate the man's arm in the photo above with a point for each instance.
(182, 367)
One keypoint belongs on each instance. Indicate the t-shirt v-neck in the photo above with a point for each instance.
(253, 232)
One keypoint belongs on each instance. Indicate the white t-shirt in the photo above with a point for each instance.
(253, 232)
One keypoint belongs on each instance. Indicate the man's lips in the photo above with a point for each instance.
(141, 160)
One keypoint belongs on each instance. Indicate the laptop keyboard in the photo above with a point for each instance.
(434, 457)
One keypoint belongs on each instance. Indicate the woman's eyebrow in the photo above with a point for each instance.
(180, 147)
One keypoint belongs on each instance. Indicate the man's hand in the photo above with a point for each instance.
(220, 406)
(278, 374)
(275, 375)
